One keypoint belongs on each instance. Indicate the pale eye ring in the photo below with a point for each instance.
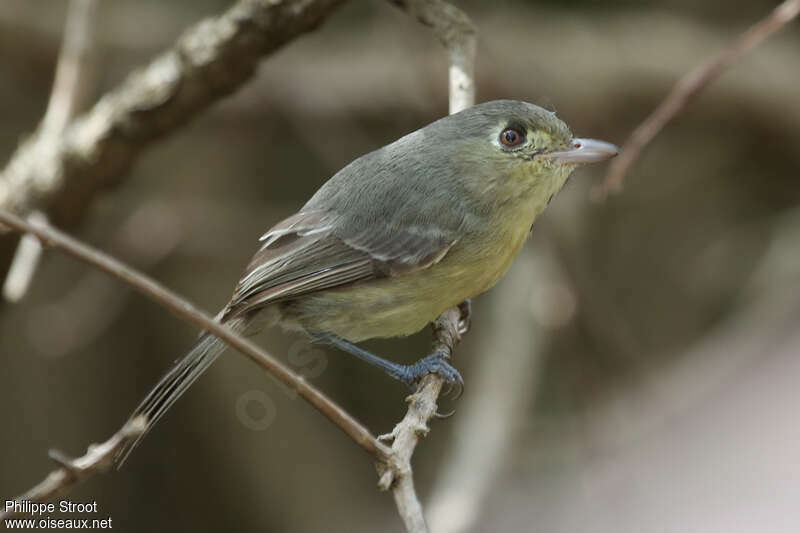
(511, 137)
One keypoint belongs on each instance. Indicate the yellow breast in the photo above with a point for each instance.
(404, 304)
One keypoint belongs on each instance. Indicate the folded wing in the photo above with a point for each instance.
(314, 251)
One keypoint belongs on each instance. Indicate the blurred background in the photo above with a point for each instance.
(636, 370)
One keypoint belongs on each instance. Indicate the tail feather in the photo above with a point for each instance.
(175, 382)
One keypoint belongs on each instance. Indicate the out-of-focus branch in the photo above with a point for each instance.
(687, 88)
(73, 71)
(98, 458)
(209, 61)
(457, 34)
(23, 264)
(70, 89)
(524, 309)
(186, 311)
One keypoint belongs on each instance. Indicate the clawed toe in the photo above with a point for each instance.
(435, 363)
(465, 321)
(458, 386)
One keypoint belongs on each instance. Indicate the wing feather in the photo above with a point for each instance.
(305, 253)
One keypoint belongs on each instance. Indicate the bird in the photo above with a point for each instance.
(397, 237)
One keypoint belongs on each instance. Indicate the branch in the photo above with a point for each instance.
(398, 474)
(73, 71)
(188, 312)
(23, 263)
(98, 458)
(211, 60)
(457, 34)
(687, 88)
(70, 88)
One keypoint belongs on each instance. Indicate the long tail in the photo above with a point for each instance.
(177, 380)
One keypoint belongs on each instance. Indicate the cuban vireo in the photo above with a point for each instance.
(400, 235)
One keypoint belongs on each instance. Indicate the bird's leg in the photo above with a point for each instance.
(408, 374)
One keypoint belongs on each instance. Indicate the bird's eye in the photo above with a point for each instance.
(512, 137)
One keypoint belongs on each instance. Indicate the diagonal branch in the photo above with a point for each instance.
(98, 458)
(188, 312)
(688, 87)
(211, 60)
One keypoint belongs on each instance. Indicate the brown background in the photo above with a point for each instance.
(662, 336)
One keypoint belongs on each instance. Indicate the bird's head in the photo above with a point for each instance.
(516, 146)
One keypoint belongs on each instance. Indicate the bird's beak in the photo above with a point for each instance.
(584, 151)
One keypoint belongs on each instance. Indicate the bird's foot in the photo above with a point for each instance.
(435, 363)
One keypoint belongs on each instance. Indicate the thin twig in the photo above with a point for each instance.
(211, 60)
(687, 88)
(457, 34)
(98, 458)
(74, 69)
(181, 308)
(23, 264)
